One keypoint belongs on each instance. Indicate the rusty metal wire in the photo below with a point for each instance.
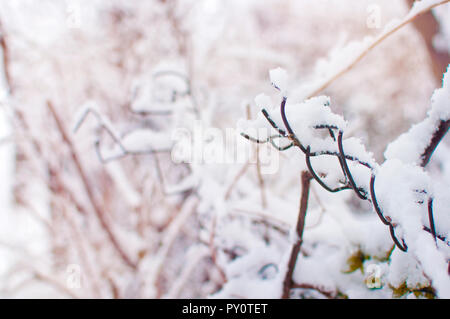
(349, 182)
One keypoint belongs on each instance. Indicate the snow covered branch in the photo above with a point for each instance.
(418, 9)
(413, 190)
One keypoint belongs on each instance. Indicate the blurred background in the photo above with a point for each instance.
(139, 226)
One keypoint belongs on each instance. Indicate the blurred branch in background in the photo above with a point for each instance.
(429, 27)
(297, 243)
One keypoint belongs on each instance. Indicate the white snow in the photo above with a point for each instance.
(409, 146)
(143, 140)
(279, 79)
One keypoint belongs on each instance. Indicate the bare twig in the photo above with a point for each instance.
(260, 179)
(428, 27)
(6, 58)
(103, 126)
(258, 167)
(213, 250)
(196, 255)
(55, 284)
(288, 281)
(326, 293)
(349, 182)
(78, 239)
(236, 179)
(372, 45)
(170, 235)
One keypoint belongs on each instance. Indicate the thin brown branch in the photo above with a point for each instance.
(288, 281)
(55, 284)
(213, 251)
(322, 208)
(78, 241)
(6, 58)
(98, 209)
(262, 187)
(57, 186)
(428, 27)
(236, 179)
(258, 166)
(374, 43)
(326, 293)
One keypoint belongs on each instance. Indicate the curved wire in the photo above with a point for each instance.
(349, 180)
(359, 192)
(402, 246)
(431, 218)
(375, 202)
